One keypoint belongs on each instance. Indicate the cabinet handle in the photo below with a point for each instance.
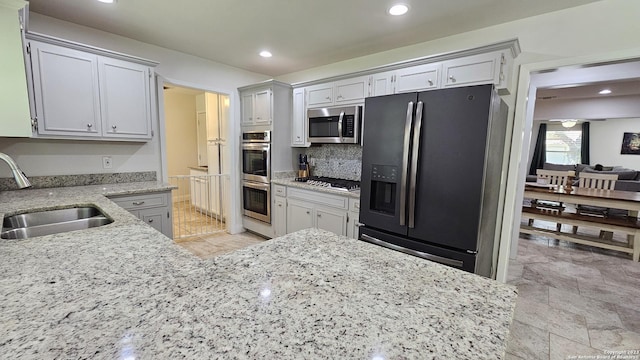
(452, 78)
(308, 212)
(113, 127)
(430, 82)
(339, 96)
(319, 215)
(150, 220)
(89, 126)
(279, 205)
(328, 98)
(138, 202)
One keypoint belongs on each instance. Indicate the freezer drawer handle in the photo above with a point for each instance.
(420, 254)
(405, 163)
(414, 164)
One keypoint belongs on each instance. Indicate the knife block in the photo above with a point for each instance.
(304, 173)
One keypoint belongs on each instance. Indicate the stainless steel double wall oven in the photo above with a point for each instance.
(256, 175)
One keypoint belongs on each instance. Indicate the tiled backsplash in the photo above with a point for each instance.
(335, 160)
(40, 182)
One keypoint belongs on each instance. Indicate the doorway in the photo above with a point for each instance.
(196, 123)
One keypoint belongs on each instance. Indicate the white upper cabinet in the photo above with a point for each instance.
(299, 120)
(125, 102)
(262, 114)
(66, 90)
(418, 78)
(83, 95)
(320, 95)
(352, 90)
(473, 70)
(257, 107)
(15, 118)
(382, 83)
(348, 91)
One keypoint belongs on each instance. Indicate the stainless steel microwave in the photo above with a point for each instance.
(337, 125)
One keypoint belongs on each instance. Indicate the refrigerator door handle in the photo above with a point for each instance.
(415, 152)
(405, 163)
(340, 125)
(420, 254)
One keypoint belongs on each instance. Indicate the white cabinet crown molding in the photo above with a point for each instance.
(88, 48)
(512, 45)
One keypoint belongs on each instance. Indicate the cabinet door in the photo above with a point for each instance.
(472, 70)
(319, 95)
(331, 220)
(382, 84)
(299, 120)
(212, 122)
(299, 216)
(280, 215)
(353, 225)
(154, 217)
(418, 78)
(125, 100)
(262, 107)
(352, 90)
(247, 109)
(66, 91)
(201, 133)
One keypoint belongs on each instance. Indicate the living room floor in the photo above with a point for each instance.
(573, 300)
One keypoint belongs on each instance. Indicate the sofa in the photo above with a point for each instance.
(628, 179)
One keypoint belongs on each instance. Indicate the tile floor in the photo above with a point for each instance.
(206, 247)
(573, 300)
(189, 221)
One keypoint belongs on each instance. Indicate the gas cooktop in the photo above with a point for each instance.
(333, 183)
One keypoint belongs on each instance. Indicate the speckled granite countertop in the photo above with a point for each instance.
(303, 185)
(125, 291)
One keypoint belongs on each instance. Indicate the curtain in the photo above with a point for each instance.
(539, 153)
(584, 145)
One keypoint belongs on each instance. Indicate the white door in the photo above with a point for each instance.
(331, 220)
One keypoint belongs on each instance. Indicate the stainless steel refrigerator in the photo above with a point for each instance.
(431, 170)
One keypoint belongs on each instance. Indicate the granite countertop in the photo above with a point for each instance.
(303, 185)
(126, 291)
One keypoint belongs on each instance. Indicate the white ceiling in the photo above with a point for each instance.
(301, 34)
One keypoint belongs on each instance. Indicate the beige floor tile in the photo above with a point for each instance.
(542, 274)
(528, 342)
(610, 293)
(509, 356)
(533, 291)
(561, 348)
(206, 247)
(614, 339)
(597, 313)
(556, 321)
(630, 318)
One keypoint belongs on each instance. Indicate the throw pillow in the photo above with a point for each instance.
(558, 167)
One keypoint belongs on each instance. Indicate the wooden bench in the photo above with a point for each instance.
(629, 226)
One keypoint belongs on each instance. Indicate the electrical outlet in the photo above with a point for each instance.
(107, 162)
(312, 161)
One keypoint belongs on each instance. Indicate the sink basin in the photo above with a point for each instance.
(22, 226)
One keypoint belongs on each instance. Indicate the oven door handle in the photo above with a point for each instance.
(257, 186)
(340, 125)
(256, 146)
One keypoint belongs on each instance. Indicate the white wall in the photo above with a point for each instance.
(601, 27)
(606, 142)
(55, 157)
(181, 130)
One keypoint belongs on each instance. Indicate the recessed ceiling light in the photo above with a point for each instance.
(265, 54)
(604, 92)
(399, 9)
(107, 1)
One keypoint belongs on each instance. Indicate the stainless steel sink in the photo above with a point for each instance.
(22, 226)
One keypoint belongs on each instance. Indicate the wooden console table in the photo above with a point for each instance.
(616, 199)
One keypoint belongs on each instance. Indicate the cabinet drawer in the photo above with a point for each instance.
(280, 190)
(136, 202)
(318, 197)
(354, 205)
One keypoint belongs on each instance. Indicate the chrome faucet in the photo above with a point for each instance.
(21, 178)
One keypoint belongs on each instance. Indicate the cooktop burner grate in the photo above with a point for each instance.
(334, 183)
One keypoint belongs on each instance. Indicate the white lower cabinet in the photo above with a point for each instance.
(153, 208)
(303, 209)
(353, 223)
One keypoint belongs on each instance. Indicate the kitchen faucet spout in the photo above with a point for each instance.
(21, 178)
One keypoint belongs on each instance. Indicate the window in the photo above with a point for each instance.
(563, 146)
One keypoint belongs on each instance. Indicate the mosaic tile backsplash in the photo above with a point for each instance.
(335, 160)
(41, 182)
